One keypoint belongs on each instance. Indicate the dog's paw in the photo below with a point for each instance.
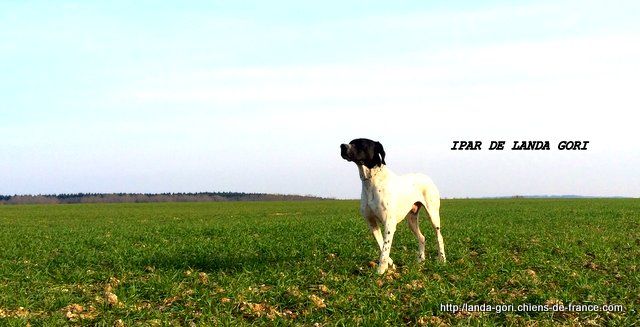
(382, 267)
(385, 265)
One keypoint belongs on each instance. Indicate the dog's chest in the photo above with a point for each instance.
(374, 199)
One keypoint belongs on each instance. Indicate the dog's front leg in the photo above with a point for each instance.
(375, 230)
(385, 260)
(377, 234)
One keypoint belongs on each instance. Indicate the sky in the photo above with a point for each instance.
(257, 96)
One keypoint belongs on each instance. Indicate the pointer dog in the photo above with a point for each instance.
(388, 198)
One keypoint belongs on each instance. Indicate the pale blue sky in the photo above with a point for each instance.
(189, 96)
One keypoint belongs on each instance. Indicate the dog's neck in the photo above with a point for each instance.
(366, 174)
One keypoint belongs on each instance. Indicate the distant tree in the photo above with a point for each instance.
(148, 197)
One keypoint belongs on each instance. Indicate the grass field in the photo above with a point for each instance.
(301, 263)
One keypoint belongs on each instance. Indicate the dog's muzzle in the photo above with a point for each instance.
(344, 151)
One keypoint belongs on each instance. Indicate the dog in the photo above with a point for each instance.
(388, 198)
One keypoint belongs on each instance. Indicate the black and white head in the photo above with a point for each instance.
(363, 152)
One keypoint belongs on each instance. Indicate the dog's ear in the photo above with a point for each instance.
(379, 150)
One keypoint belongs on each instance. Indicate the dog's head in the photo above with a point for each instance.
(363, 152)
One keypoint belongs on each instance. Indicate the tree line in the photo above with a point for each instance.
(149, 197)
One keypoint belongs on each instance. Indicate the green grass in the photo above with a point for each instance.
(300, 263)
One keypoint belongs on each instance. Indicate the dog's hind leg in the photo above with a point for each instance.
(434, 214)
(412, 220)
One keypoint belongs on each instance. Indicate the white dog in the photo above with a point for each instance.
(388, 198)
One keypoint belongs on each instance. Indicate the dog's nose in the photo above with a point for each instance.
(344, 149)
